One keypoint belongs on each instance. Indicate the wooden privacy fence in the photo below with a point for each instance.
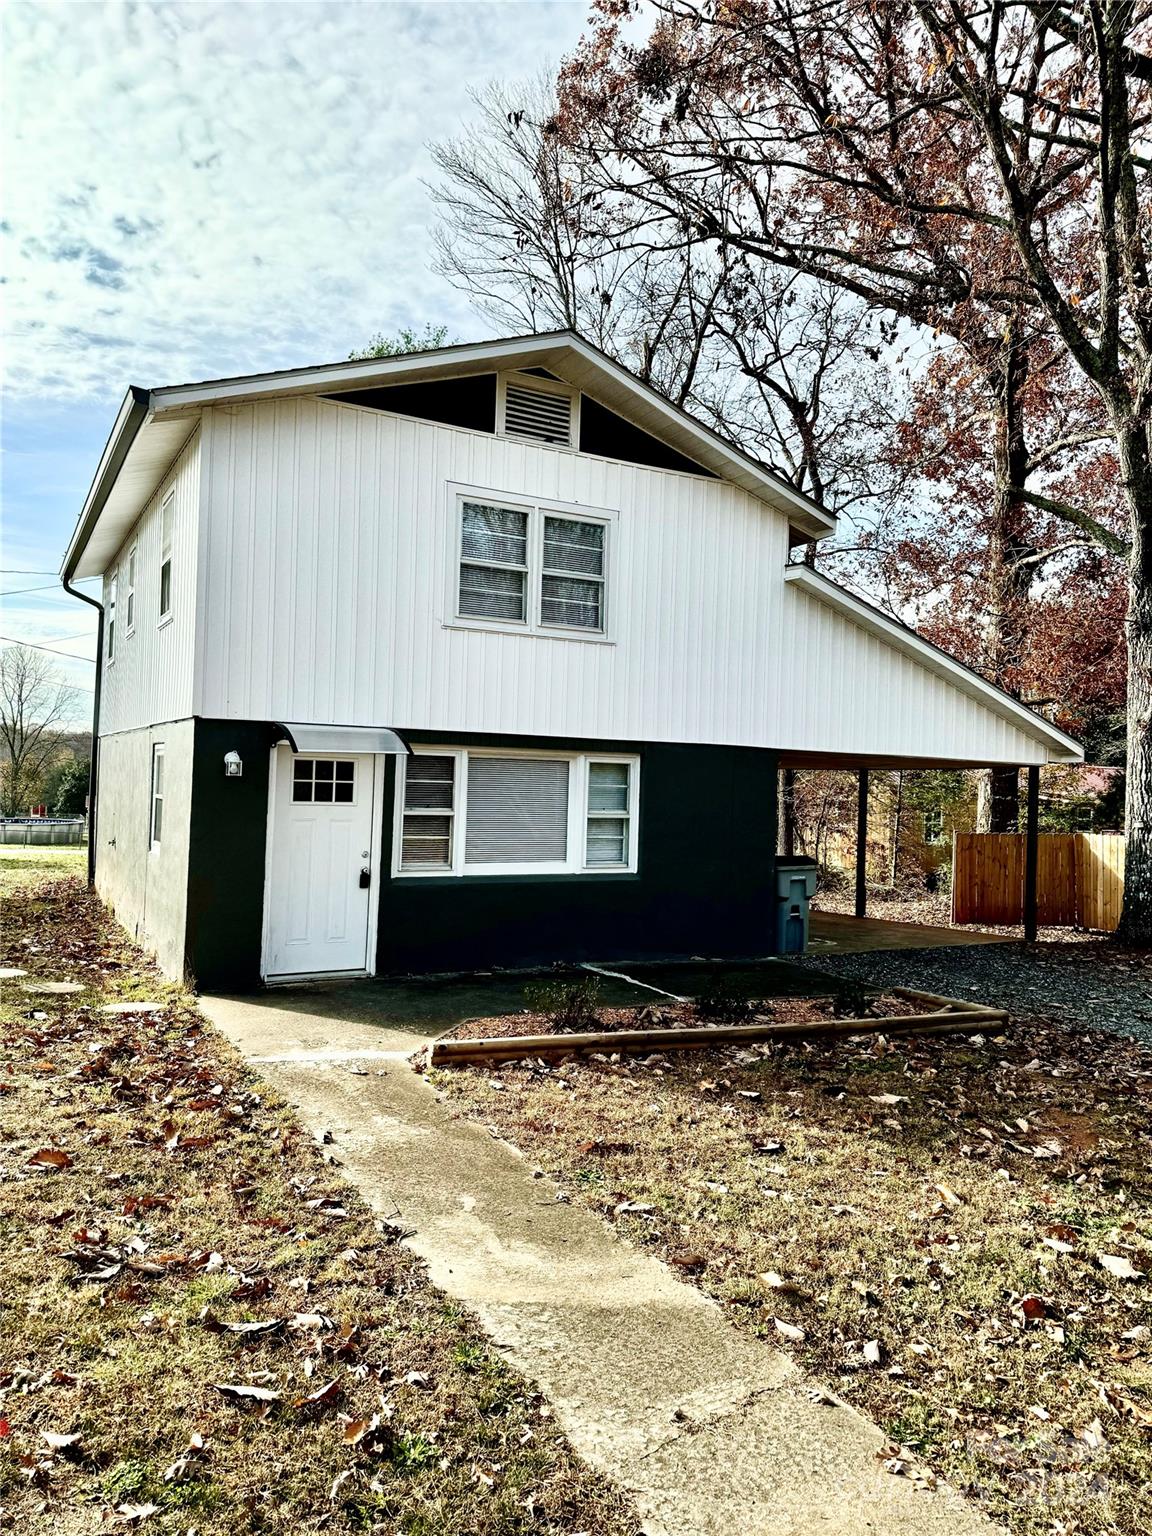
(1079, 878)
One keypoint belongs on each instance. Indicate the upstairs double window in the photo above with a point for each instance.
(494, 813)
(531, 567)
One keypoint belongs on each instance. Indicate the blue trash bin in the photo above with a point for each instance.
(795, 888)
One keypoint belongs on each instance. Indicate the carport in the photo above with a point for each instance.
(905, 704)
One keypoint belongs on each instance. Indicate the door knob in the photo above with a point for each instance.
(365, 878)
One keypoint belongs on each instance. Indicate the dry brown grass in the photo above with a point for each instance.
(920, 1222)
(190, 1189)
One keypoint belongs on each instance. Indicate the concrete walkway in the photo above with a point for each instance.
(712, 1432)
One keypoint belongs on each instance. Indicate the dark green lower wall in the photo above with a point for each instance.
(705, 883)
(226, 855)
(707, 845)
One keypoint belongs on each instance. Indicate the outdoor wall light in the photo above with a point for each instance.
(233, 766)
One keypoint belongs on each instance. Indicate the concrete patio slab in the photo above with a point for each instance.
(710, 1430)
(835, 933)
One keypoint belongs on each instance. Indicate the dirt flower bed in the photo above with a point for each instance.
(781, 1010)
(955, 1234)
(201, 1326)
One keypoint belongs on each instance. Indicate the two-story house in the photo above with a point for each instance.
(481, 656)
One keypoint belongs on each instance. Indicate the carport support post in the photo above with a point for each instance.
(1031, 854)
(861, 842)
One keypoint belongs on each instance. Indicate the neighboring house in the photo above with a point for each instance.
(480, 656)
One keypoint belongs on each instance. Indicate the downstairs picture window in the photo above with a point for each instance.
(463, 812)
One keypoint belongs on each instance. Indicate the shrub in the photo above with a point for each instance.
(567, 1003)
(726, 1002)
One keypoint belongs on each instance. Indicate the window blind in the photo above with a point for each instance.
(429, 807)
(608, 813)
(494, 557)
(517, 811)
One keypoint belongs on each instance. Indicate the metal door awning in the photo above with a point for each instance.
(341, 738)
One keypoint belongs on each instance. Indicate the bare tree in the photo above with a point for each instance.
(794, 371)
(35, 703)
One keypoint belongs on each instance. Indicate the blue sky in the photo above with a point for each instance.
(205, 189)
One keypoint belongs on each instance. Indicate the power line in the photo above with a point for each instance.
(32, 646)
(19, 591)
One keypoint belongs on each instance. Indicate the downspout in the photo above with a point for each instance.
(93, 759)
(128, 423)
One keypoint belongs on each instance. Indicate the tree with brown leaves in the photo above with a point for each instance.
(972, 166)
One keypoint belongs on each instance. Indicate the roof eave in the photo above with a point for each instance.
(481, 357)
(129, 419)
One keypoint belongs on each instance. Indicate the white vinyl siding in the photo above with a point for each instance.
(484, 812)
(152, 680)
(156, 813)
(532, 567)
(543, 410)
(330, 566)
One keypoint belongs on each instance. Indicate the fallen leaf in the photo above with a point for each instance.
(49, 1157)
(242, 1392)
(328, 1393)
(872, 1352)
(58, 1442)
(136, 1512)
(789, 1330)
(1119, 1265)
(356, 1429)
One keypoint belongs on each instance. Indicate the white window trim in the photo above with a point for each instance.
(154, 842)
(576, 862)
(130, 590)
(546, 387)
(167, 546)
(537, 509)
(111, 619)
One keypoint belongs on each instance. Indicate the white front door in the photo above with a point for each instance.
(321, 864)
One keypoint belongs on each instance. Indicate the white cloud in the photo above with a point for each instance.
(195, 190)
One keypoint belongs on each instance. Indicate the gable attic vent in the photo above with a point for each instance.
(542, 414)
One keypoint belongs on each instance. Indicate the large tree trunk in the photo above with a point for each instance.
(1009, 573)
(1132, 443)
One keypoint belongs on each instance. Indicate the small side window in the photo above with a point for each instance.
(166, 516)
(110, 617)
(156, 824)
(130, 593)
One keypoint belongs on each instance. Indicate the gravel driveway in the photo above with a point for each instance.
(1079, 983)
